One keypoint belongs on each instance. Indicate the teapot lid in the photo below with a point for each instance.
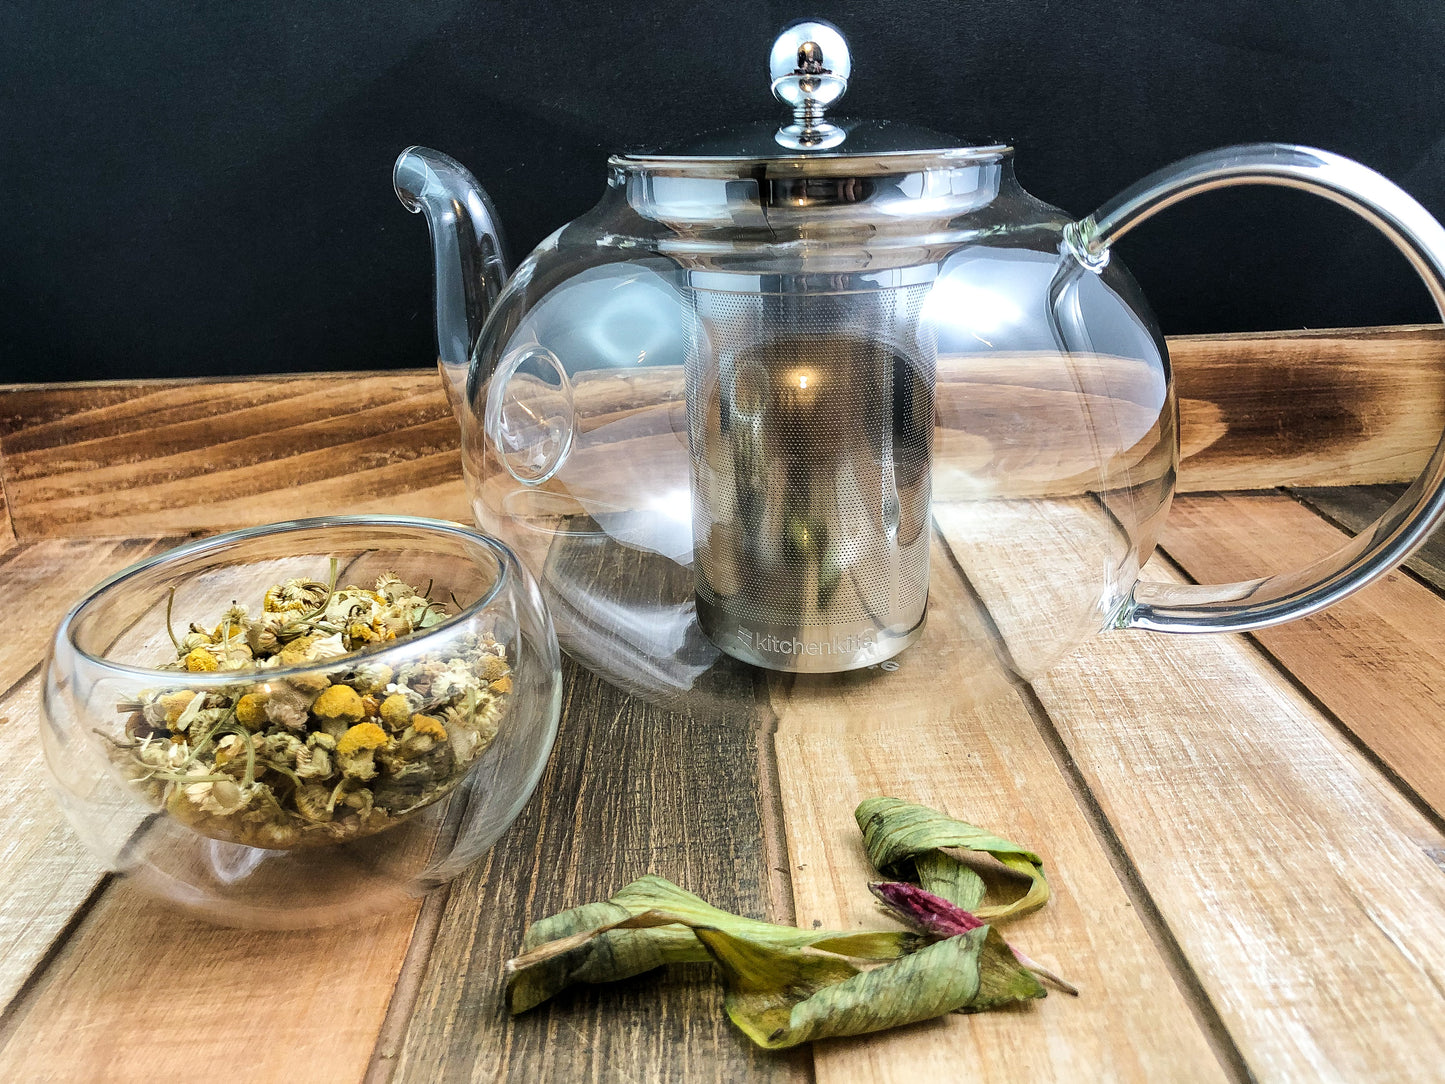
(809, 67)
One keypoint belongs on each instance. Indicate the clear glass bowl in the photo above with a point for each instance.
(265, 837)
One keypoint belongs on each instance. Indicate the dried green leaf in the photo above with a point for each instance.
(1003, 978)
(597, 951)
(781, 998)
(946, 876)
(896, 834)
(650, 923)
(787, 986)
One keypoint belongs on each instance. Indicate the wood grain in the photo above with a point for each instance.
(48, 874)
(932, 731)
(178, 456)
(1388, 637)
(1299, 884)
(1356, 507)
(1330, 407)
(51, 576)
(136, 992)
(7, 527)
(631, 788)
(156, 457)
(140, 993)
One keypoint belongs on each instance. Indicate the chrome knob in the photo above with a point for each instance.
(809, 66)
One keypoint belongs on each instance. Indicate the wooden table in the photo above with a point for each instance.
(1244, 834)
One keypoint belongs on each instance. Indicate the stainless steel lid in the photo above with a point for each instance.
(809, 68)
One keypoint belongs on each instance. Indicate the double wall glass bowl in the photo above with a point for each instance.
(105, 661)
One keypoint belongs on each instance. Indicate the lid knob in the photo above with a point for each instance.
(809, 66)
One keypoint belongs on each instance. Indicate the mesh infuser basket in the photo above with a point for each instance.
(810, 421)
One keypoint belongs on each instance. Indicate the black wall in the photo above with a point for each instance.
(205, 188)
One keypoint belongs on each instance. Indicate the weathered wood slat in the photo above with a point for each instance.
(1298, 883)
(1323, 408)
(156, 457)
(1356, 507)
(1301, 888)
(51, 576)
(139, 993)
(136, 992)
(946, 730)
(1390, 636)
(177, 456)
(631, 788)
(7, 527)
(48, 874)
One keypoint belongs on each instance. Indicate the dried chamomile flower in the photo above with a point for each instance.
(425, 724)
(330, 749)
(314, 762)
(289, 705)
(361, 736)
(280, 747)
(396, 711)
(372, 678)
(221, 796)
(200, 660)
(297, 652)
(341, 702)
(313, 802)
(166, 710)
(193, 639)
(251, 711)
(295, 595)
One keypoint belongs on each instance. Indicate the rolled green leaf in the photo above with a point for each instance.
(783, 998)
(946, 876)
(598, 952)
(908, 842)
(650, 923)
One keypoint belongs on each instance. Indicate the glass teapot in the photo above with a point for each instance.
(748, 401)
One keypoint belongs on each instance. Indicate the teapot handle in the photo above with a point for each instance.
(1239, 607)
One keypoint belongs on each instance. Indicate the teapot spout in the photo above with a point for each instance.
(467, 252)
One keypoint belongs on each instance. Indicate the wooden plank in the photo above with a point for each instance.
(947, 729)
(1302, 408)
(105, 1003)
(48, 874)
(51, 576)
(1373, 660)
(7, 526)
(1329, 407)
(1356, 507)
(1300, 886)
(166, 456)
(139, 993)
(631, 788)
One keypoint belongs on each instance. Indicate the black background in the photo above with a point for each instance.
(205, 188)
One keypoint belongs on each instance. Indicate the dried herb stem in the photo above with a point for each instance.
(170, 631)
(330, 592)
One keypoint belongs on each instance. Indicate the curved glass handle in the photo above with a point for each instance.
(1374, 551)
